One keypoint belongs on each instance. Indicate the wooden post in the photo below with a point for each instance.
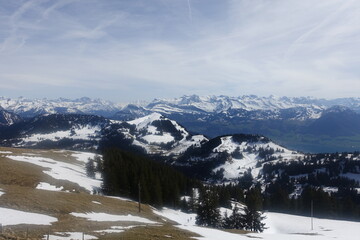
(139, 197)
(48, 235)
(312, 215)
(83, 236)
(1, 228)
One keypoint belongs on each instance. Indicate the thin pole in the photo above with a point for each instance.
(312, 215)
(139, 197)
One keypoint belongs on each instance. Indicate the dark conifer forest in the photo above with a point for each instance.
(160, 185)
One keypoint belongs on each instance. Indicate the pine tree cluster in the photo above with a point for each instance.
(208, 213)
(160, 185)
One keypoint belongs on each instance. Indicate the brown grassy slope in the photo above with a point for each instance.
(19, 179)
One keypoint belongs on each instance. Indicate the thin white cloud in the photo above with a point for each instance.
(57, 5)
(94, 33)
(282, 47)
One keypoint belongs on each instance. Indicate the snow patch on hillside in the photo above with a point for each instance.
(153, 138)
(237, 166)
(279, 227)
(75, 173)
(105, 217)
(70, 236)
(14, 217)
(165, 138)
(48, 187)
(144, 122)
(83, 156)
(81, 133)
(5, 152)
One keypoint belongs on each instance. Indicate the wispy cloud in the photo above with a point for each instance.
(282, 47)
(93, 33)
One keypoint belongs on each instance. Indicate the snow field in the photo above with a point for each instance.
(279, 227)
(81, 133)
(75, 173)
(69, 236)
(285, 226)
(144, 122)
(5, 152)
(104, 217)
(83, 156)
(116, 229)
(165, 138)
(48, 187)
(13, 217)
(236, 167)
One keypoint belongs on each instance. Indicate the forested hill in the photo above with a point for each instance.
(160, 185)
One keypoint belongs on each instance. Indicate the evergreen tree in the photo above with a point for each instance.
(252, 216)
(208, 213)
(90, 168)
(235, 221)
(253, 220)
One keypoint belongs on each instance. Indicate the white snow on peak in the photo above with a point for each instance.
(227, 145)
(144, 122)
(237, 166)
(81, 105)
(223, 103)
(152, 138)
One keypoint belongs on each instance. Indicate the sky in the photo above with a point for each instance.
(127, 50)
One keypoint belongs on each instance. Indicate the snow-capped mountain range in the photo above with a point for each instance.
(226, 158)
(152, 135)
(302, 123)
(193, 104)
(28, 108)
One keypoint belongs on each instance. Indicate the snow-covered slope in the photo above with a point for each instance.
(57, 131)
(157, 134)
(8, 118)
(279, 227)
(248, 155)
(228, 158)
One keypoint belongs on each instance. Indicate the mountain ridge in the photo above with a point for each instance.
(297, 122)
(209, 104)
